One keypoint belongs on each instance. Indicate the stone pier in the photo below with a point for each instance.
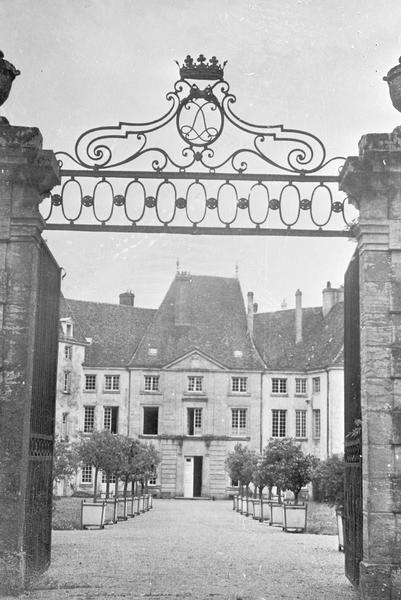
(373, 181)
(27, 174)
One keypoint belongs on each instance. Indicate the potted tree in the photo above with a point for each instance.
(328, 486)
(233, 465)
(92, 450)
(267, 475)
(296, 470)
(240, 465)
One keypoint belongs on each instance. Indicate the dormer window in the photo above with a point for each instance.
(67, 328)
(152, 351)
(237, 353)
(195, 383)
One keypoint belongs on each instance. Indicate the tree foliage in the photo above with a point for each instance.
(241, 463)
(328, 481)
(282, 464)
(118, 455)
(65, 460)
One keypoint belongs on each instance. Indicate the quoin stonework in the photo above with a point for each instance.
(203, 372)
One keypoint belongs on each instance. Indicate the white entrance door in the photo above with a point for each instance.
(188, 476)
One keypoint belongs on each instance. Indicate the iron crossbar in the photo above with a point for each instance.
(168, 175)
(194, 230)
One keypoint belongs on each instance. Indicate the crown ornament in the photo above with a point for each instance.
(201, 68)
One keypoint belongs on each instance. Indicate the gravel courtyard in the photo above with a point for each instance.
(193, 549)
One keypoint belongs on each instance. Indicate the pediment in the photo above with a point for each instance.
(195, 361)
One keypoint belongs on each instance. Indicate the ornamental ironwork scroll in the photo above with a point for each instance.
(276, 175)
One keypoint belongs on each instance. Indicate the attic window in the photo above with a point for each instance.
(67, 328)
(237, 353)
(152, 351)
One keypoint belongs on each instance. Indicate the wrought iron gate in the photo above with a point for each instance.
(278, 182)
(214, 174)
(39, 497)
(353, 445)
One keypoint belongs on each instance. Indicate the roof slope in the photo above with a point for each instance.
(321, 346)
(115, 329)
(204, 313)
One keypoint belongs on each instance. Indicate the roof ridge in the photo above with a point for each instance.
(109, 304)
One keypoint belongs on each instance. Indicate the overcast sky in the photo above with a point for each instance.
(315, 65)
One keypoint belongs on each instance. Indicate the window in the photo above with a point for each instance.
(152, 480)
(68, 352)
(112, 383)
(300, 385)
(194, 421)
(90, 383)
(238, 421)
(64, 430)
(151, 383)
(67, 382)
(316, 423)
(234, 483)
(86, 475)
(300, 423)
(238, 384)
(316, 385)
(150, 420)
(111, 480)
(111, 418)
(89, 419)
(279, 386)
(195, 383)
(279, 418)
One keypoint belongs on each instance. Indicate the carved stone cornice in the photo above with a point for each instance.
(22, 161)
(372, 180)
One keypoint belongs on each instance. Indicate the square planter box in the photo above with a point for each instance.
(257, 510)
(295, 517)
(131, 506)
(340, 529)
(235, 502)
(276, 514)
(92, 514)
(122, 509)
(111, 511)
(137, 504)
(245, 506)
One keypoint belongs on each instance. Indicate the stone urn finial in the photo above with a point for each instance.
(7, 75)
(393, 79)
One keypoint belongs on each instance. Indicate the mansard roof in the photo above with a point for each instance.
(115, 330)
(199, 312)
(322, 339)
(206, 314)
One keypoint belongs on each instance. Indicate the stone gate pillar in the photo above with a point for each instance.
(374, 181)
(27, 173)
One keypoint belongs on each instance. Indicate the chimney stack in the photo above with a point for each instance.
(330, 297)
(298, 316)
(127, 298)
(250, 312)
